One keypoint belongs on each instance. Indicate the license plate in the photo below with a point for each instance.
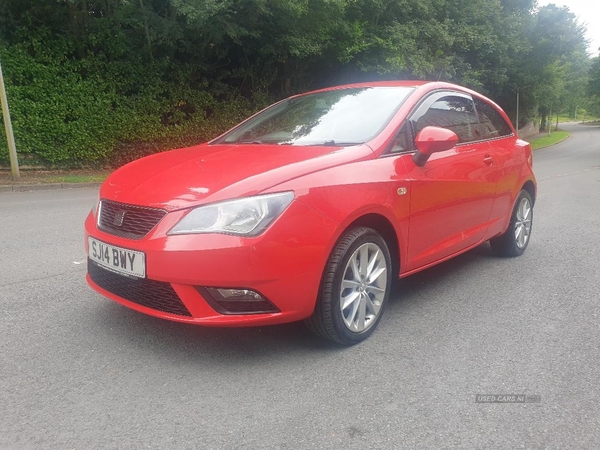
(117, 259)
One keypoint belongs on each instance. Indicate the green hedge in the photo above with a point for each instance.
(70, 113)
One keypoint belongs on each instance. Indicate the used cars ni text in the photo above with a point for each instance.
(309, 209)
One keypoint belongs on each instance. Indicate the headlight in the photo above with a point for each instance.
(247, 216)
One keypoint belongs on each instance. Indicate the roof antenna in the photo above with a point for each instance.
(440, 75)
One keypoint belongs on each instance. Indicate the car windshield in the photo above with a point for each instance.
(339, 117)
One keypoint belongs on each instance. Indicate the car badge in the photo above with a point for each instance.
(119, 218)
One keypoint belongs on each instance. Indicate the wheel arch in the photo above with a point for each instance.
(384, 227)
(529, 186)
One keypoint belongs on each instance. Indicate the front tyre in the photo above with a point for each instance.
(516, 238)
(355, 288)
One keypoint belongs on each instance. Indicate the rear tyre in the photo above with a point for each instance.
(516, 238)
(355, 288)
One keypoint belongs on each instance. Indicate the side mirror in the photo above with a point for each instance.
(432, 140)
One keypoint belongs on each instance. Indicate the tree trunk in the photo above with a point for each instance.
(544, 121)
(287, 86)
(147, 30)
(77, 24)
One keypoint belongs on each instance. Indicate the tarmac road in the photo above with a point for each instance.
(78, 371)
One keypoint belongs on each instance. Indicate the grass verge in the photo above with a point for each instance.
(54, 176)
(547, 141)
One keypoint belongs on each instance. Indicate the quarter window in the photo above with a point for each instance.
(454, 113)
(492, 124)
(401, 142)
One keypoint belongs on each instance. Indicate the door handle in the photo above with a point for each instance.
(488, 160)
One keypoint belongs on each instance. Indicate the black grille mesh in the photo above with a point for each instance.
(128, 221)
(150, 293)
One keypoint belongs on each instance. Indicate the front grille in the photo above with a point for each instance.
(150, 293)
(128, 221)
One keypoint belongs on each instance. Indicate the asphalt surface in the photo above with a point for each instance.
(78, 371)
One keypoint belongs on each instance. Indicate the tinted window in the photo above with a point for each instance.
(454, 113)
(337, 117)
(493, 124)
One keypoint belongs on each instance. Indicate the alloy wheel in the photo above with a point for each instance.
(523, 223)
(363, 287)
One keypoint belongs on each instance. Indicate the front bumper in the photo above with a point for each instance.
(284, 265)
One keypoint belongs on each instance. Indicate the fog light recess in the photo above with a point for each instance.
(236, 301)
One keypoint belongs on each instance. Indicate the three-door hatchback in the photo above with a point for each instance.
(309, 209)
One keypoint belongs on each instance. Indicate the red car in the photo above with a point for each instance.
(309, 209)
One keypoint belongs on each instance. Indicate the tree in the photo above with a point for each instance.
(554, 69)
(594, 86)
(91, 77)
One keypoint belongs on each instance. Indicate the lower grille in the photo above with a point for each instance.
(149, 293)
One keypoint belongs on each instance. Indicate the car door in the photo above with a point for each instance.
(507, 160)
(453, 193)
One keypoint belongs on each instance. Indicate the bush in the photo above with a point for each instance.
(57, 116)
(72, 113)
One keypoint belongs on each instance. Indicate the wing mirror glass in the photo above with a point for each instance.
(431, 140)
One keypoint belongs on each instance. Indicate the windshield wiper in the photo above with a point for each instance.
(256, 141)
(339, 144)
(330, 143)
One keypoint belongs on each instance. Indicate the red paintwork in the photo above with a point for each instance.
(460, 198)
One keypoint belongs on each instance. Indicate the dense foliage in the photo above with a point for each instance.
(594, 86)
(110, 80)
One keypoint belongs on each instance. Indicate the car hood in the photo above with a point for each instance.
(207, 173)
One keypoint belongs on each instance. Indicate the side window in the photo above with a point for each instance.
(492, 124)
(454, 113)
